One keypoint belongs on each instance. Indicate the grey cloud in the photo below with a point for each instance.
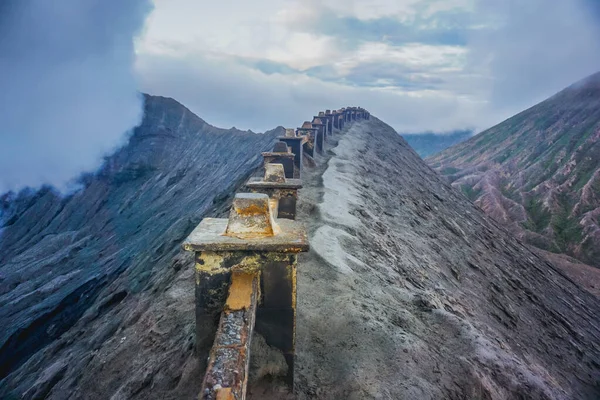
(538, 50)
(68, 90)
(228, 94)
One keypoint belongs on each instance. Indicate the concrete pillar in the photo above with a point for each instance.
(323, 120)
(296, 144)
(340, 118)
(250, 242)
(310, 134)
(320, 134)
(282, 192)
(281, 155)
(329, 117)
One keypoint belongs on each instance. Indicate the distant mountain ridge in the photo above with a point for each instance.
(429, 143)
(539, 171)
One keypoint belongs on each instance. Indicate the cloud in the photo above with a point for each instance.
(420, 65)
(532, 50)
(227, 93)
(68, 93)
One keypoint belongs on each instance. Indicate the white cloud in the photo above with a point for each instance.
(68, 93)
(500, 59)
(229, 94)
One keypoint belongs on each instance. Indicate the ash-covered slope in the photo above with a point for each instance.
(539, 172)
(74, 269)
(411, 292)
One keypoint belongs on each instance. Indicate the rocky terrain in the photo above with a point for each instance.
(75, 270)
(539, 172)
(427, 144)
(409, 292)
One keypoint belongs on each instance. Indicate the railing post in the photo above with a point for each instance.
(248, 245)
(295, 143)
(282, 192)
(311, 133)
(323, 119)
(329, 117)
(281, 155)
(320, 137)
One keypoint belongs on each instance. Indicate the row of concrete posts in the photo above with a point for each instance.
(245, 265)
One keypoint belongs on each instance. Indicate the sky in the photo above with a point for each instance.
(419, 65)
(71, 70)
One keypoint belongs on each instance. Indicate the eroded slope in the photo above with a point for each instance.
(539, 172)
(410, 292)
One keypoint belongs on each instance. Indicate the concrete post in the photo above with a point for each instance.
(296, 144)
(281, 155)
(320, 138)
(282, 192)
(310, 133)
(340, 118)
(323, 120)
(329, 117)
(249, 242)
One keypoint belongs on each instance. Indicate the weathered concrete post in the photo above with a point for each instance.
(295, 143)
(323, 119)
(281, 155)
(329, 118)
(310, 133)
(341, 118)
(282, 192)
(320, 139)
(253, 244)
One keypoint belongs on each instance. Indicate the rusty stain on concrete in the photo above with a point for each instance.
(274, 173)
(240, 291)
(251, 216)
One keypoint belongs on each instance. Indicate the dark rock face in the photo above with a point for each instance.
(539, 172)
(68, 265)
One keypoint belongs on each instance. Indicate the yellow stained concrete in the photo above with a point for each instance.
(240, 291)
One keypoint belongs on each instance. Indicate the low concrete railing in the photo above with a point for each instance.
(245, 265)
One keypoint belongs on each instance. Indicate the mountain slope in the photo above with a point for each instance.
(408, 292)
(427, 144)
(539, 172)
(411, 292)
(67, 263)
